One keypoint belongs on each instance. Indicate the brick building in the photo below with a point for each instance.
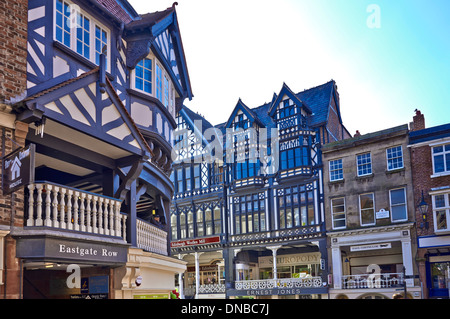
(13, 64)
(430, 160)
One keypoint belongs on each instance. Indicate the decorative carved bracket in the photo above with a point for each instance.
(137, 50)
(127, 179)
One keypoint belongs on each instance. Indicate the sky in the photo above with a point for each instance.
(388, 57)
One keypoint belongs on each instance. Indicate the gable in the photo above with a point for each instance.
(79, 104)
(164, 43)
(242, 114)
(285, 94)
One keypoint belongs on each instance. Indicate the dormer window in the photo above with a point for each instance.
(150, 77)
(80, 32)
(143, 76)
(287, 108)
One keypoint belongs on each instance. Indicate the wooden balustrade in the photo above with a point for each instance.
(63, 207)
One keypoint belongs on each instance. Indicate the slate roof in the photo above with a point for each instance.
(317, 99)
(149, 19)
(115, 9)
(429, 134)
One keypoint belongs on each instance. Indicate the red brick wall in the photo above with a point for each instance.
(13, 81)
(422, 169)
(13, 48)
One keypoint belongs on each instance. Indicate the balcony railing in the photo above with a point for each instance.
(151, 238)
(308, 282)
(63, 207)
(370, 281)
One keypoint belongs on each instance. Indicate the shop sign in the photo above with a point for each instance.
(95, 285)
(370, 247)
(18, 169)
(382, 214)
(89, 296)
(277, 291)
(152, 296)
(71, 250)
(194, 242)
(296, 259)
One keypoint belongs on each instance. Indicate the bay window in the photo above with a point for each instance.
(150, 77)
(80, 32)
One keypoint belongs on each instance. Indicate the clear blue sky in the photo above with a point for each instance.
(386, 61)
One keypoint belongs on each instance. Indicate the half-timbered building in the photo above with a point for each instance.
(103, 85)
(272, 239)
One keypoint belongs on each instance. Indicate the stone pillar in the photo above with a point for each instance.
(274, 254)
(336, 261)
(407, 260)
(197, 273)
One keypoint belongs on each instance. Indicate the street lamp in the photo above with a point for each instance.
(423, 209)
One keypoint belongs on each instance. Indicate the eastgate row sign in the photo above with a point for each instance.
(70, 250)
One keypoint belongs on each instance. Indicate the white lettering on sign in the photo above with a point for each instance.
(81, 252)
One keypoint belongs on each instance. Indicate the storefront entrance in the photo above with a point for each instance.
(45, 280)
(438, 276)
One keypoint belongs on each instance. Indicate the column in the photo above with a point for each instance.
(197, 273)
(274, 254)
(181, 283)
(181, 279)
(407, 260)
(336, 261)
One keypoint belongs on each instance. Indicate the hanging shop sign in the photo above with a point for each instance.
(18, 169)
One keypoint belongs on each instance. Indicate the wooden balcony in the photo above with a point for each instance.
(62, 207)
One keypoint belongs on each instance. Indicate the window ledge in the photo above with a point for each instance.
(396, 170)
(336, 182)
(440, 174)
(364, 176)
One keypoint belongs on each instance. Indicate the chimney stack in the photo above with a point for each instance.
(418, 121)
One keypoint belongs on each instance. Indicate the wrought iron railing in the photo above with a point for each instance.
(307, 282)
(371, 281)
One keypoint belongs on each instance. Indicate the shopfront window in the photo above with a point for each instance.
(440, 275)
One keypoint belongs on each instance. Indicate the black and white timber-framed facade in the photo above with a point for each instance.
(103, 85)
(269, 197)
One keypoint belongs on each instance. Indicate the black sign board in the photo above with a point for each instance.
(18, 169)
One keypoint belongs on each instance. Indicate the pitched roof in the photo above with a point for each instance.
(149, 19)
(112, 91)
(318, 99)
(116, 10)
